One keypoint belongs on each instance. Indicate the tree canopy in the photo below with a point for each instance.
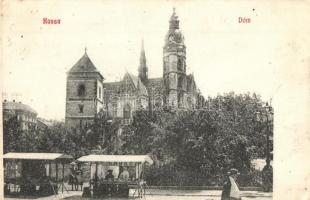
(189, 147)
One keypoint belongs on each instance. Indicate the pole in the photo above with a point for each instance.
(267, 144)
(15, 169)
(57, 174)
(50, 169)
(63, 175)
(95, 189)
(96, 171)
(143, 168)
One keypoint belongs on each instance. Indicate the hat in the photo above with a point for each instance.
(110, 170)
(233, 171)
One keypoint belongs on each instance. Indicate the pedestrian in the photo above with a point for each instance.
(230, 187)
(267, 174)
(71, 178)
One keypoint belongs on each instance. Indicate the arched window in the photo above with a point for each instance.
(180, 82)
(127, 111)
(81, 107)
(180, 66)
(114, 101)
(100, 92)
(81, 90)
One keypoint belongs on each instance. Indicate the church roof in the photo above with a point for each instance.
(137, 83)
(112, 85)
(84, 65)
(116, 87)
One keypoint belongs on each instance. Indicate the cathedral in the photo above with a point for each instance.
(87, 93)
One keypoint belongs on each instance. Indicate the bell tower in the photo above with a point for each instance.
(174, 65)
(84, 93)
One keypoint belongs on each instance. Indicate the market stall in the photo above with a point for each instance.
(33, 174)
(113, 175)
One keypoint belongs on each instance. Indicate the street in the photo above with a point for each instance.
(165, 195)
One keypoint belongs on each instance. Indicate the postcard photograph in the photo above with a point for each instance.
(154, 99)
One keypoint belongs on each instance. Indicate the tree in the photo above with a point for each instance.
(200, 143)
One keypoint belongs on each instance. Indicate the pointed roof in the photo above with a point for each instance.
(174, 21)
(84, 65)
(142, 56)
(136, 81)
(174, 16)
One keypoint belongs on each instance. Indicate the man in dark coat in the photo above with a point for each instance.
(230, 187)
(109, 176)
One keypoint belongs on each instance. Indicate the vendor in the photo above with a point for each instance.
(109, 176)
(124, 175)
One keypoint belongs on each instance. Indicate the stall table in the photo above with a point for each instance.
(27, 183)
(117, 188)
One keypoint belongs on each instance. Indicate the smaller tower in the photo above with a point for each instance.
(143, 70)
(84, 94)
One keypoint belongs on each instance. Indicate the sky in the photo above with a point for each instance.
(269, 56)
(223, 54)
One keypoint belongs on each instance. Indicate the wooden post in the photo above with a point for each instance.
(90, 180)
(95, 191)
(139, 171)
(15, 169)
(143, 170)
(96, 173)
(63, 175)
(50, 169)
(56, 174)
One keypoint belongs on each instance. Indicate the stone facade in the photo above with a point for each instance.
(84, 93)
(87, 93)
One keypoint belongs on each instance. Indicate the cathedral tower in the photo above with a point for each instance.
(174, 64)
(84, 94)
(143, 70)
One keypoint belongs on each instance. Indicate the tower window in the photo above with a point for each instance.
(180, 82)
(81, 108)
(127, 111)
(180, 67)
(81, 90)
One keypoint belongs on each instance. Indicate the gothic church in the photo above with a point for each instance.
(87, 93)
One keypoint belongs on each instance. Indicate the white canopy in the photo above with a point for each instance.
(117, 158)
(36, 156)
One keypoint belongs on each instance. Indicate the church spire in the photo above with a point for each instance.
(174, 20)
(143, 70)
(142, 55)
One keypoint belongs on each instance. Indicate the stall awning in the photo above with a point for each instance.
(117, 159)
(37, 156)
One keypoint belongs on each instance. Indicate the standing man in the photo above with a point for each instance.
(230, 187)
(267, 178)
(109, 176)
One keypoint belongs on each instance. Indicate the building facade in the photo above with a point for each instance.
(87, 92)
(26, 116)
